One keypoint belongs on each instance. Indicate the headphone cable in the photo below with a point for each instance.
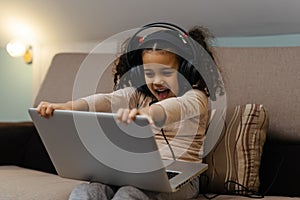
(163, 133)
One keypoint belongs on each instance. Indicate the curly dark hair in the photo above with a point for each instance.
(205, 79)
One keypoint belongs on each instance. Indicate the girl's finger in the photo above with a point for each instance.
(150, 120)
(132, 114)
(49, 111)
(43, 110)
(119, 114)
(125, 115)
(40, 107)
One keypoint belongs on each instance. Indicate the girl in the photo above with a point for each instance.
(159, 77)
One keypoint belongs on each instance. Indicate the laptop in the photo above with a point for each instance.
(93, 146)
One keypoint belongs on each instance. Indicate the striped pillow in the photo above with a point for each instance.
(234, 162)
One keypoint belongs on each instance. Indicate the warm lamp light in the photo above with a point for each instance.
(17, 49)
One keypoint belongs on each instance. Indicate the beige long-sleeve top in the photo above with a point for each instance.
(185, 125)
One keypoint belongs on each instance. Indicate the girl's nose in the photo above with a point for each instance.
(158, 80)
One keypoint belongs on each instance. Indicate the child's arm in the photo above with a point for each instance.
(155, 114)
(193, 103)
(98, 102)
(45, 109)
(158, 114)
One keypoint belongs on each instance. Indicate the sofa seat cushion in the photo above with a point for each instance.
(25, 184)
(237, 197)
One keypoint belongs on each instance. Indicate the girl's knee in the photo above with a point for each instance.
(91, 191)
(130, 192)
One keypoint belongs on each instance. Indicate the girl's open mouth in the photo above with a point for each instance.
(162, 93)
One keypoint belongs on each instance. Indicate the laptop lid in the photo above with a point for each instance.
(94, 147)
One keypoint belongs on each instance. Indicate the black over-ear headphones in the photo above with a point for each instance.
(171, 35)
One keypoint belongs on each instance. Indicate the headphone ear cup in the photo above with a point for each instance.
(183, 78)
(189, 76)
(189, 71)
(137, 76)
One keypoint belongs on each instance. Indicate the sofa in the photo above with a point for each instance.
(263, 80)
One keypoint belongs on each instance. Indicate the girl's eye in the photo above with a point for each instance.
(167, 72)
(149, 74)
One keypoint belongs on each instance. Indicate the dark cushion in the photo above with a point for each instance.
(279, 172)
(13, 140)
(20, 144)
(36, 156)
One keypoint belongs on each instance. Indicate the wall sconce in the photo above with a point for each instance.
(17, 49)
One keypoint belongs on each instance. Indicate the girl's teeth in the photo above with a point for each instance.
(163, 93)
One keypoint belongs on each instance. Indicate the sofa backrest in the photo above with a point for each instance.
(64, 73)
(268, 76)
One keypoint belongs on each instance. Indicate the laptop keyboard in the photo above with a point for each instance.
(171, 174)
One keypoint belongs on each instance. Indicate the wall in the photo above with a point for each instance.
(15, 88)
(262, 41)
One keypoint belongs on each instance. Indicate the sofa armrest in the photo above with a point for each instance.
(21, 145)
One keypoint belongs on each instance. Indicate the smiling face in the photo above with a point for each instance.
(161, 70)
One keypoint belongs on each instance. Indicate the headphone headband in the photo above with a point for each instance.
(185, 47)
(165, 25)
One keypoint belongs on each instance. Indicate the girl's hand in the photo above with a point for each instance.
(128, 115)
(46, 109)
